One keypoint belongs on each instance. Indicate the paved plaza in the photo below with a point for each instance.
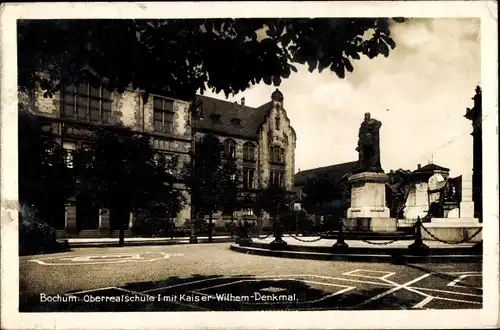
(211, 277)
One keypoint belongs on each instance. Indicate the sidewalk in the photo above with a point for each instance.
(136, 241)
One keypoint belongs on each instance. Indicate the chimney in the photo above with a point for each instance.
(419, 166)
(242, 101)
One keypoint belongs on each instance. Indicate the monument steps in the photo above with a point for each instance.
(373, 236)
(399, 255)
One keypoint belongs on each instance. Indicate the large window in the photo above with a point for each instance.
(163, 114)
(86, 102)
(248, 177)
(249, 152)
(276, 178)
(277, 154)
(230, 149)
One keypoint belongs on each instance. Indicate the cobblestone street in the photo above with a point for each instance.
(211, 277)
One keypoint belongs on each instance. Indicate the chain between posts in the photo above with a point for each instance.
(258, 236)
(370, 242)
(303, 240)
(468, 239)
(418, 223)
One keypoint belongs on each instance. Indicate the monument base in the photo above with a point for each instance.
(381, 225)
(453, 230)
(368, 211)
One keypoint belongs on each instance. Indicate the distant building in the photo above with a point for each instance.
(338, 173)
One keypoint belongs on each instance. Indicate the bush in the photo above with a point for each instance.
(37, 237)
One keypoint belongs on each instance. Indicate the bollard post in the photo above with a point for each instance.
(340, 244)
(418, 247)
(278, 241)
(244, 238)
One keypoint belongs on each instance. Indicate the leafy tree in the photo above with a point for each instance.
(120, 172)
(399, 186)
(226, 55)
(326, 195)
(45, 182)
(319, 191)
(276, 201)
(212, 179)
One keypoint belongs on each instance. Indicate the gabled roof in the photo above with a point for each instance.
(334, 171)
(251, 119)
(429, 168)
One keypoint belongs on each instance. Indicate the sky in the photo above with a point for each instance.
(420, 94)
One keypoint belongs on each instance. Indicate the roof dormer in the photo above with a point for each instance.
(215, 117)
(236, 122)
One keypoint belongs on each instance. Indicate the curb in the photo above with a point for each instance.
(358, 257)
(141, 243)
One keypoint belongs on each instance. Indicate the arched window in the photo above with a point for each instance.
(230, 148)
(249, 152)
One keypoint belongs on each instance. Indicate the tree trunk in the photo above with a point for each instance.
(121, 241)
(172, 227)
(118, 216)
(210, 228)
(232, 224)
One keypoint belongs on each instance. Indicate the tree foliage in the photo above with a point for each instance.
(178, 57)
(45, 182)
(120, 172)
(212, 179)
(321, 191)
(400, 184)
(273, 200)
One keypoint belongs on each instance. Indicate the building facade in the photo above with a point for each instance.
(260, 139)
(73, 114)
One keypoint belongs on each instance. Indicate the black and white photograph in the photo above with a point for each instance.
(218, 158)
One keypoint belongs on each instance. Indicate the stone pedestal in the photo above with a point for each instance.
(368, 211)
(467, 205)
